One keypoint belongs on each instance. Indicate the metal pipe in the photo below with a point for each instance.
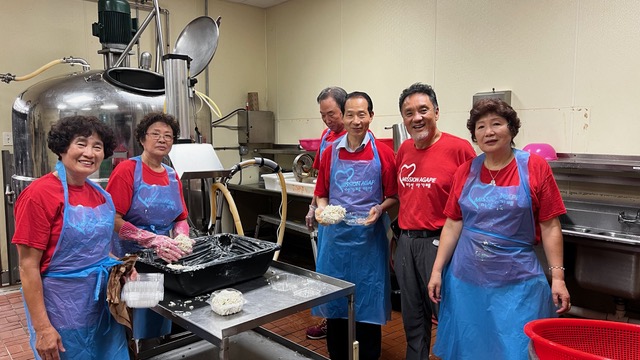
(159, 28)
(71, 60)
(176, 84)
(598, 315)
(135, 38)
(138, 43)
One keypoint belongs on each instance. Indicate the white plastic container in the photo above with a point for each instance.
(287, 282)
(145, 291)
(296, 187)
(226, 301)
(272, 181)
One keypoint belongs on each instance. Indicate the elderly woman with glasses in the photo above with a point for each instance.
(149, 204)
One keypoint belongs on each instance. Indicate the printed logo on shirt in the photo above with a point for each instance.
(344, 182)
(408, 181)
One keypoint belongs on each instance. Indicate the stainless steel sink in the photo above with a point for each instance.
(603, 235)
(607, 251)
(607, 267)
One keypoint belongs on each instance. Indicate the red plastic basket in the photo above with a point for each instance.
(570, 339)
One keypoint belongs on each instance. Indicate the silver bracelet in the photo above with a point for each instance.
(556, 267)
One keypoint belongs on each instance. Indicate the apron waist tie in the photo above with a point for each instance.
(518, 244)
(102, 268)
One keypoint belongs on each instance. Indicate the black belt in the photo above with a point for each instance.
(421, 233)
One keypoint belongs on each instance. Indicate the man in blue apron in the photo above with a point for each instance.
(359, 175)
(331, 101)
(77, 323)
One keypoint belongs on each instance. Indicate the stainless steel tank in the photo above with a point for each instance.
(120, 97)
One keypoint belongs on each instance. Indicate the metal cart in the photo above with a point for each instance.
(264, 303)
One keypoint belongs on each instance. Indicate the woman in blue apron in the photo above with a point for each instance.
(67, 312)
(357, 254)
(494, 283)
(149, 207)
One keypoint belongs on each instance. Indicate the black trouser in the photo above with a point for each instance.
(368, 335)
(414, 259)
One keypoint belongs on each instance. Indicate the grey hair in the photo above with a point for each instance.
(336, 93)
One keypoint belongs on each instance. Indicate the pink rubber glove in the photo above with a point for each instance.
(181, 228)
(166, 248)
(311, 216)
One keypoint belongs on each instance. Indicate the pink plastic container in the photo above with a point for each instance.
(544, 150)
(310, 144)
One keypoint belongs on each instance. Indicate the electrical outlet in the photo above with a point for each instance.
(7, 139)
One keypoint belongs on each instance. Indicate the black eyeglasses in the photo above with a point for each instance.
(165, 137)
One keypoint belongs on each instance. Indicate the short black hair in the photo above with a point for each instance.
(154, 117)
(359, 94)
(68, 128)
(485, 107)
(419, 88)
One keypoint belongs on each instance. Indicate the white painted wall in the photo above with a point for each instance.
(572, 65)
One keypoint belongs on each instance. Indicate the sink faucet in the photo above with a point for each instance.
(623, 218)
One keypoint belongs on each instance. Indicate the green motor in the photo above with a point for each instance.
(115, 25)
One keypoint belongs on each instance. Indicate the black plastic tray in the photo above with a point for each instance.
(217, 261)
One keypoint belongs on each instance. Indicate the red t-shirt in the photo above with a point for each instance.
(424, 180)
(387, 162)
(545, 195)
(120, 185)
(39, 213)
(331, 137)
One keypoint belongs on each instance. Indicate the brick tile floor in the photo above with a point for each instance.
(294, 328)
(14, 338)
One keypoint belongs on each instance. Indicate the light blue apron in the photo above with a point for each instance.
(323, 145)
(357, 254)
(75, 283)
(153, 208)
(494, 284)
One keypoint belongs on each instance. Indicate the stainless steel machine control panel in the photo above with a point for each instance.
(256, 127)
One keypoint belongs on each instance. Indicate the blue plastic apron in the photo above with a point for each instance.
(323, 145)
(75, 283)
(357, 254)
(494, 284)
(153, 208)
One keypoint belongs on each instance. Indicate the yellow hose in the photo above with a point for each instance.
(232, 206)
(40, 70)
(283, 217)
(234, 210)
(212, 104)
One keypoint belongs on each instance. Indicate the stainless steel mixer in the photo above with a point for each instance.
(303, 169)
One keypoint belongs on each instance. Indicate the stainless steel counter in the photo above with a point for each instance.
(264, 303)
(259, 189)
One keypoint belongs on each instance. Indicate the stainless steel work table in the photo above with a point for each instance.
(264, 303)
